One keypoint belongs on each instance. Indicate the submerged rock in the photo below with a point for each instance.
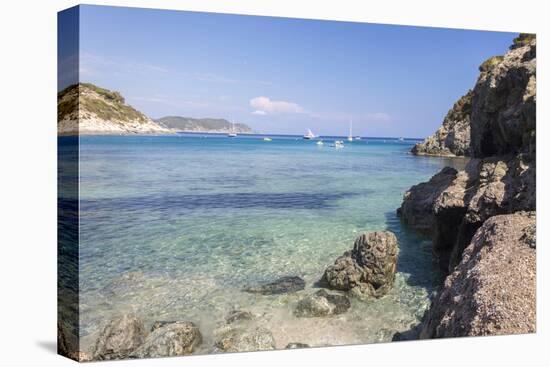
(119, 338)
(68, 346)
(368, 269)
(241, 339)
(322, 303)
(64, 347)
(238, 315)
(493, 289)
(287, 284)
(159, 324)
(170, 339)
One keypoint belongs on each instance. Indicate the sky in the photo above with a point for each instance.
(278, 75)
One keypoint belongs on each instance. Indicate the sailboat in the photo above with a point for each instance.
(350, 136)
(338, 144)
(232, 133)
(309, 135)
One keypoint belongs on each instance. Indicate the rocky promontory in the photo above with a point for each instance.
(85, 108)
(477, 217)
(453, 137)
(202, 125)
(498, 115)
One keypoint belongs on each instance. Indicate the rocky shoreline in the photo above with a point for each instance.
(482, 220)
(368, 270)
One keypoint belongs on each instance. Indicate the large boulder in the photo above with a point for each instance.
(453, 205)
(453, 136)
(170, 339)
(286, 284)
(119, 338)
(417, 209)
(493, 289)
(368, 269)
(322, 303)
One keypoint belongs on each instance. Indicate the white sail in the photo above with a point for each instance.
(232, 134)
(309, 135)
(350, 136)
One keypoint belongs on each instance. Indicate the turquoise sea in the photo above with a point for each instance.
(173, 227)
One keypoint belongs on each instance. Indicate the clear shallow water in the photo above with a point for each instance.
(173, 227)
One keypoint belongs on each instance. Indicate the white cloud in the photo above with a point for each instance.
(264, 105)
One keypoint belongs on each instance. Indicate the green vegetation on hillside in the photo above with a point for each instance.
(204, 124)
(490, 63)
(67, 102)
(107, 94)
(523, 39)
(91, 99)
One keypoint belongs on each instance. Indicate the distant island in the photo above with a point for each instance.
(210, 125)
(86, 109)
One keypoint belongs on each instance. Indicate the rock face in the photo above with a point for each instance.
(322, 303)
(453, 137)
(498, 116)
(287, 284)
(504, 104)
(88, 109)
(171, 339)
(417, 207)
(481, 233)
(368, 269)
(119, 338)
(493, 289)
(453, 205)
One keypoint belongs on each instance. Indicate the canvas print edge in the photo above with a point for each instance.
(481, 219)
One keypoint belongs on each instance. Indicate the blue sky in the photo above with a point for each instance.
(282, 75)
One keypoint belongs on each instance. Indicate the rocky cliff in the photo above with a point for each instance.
(492, 290)
(502, 104)
(88, 109)
(469, 214)
(453, 137)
